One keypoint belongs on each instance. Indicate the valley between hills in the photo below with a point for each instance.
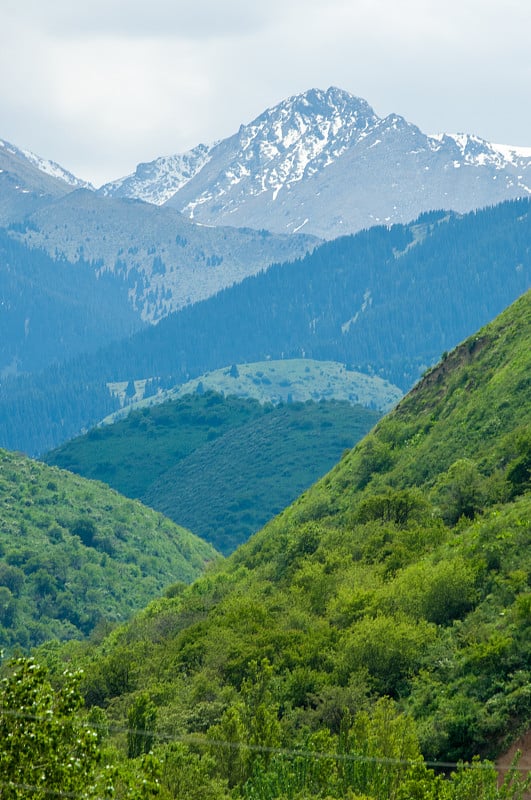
(265, 492)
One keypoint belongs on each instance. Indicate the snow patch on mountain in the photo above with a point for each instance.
(157, 181)
(290, 142)
(324, 161)
(479, 152)
(48, 167)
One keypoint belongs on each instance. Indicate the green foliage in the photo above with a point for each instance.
(399, 507)
(480, 779)
(141, 719)
(73, 552)
(186, 775)
(439, 592)
(377, 457)
(519, 472)
(391, 649)
(364, 632)
(460, 492)
(43, 747)
(375, 757)
(246, 461)
(86, 530)
(159, 436)
(228, 747)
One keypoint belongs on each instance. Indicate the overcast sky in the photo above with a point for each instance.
(101, 85)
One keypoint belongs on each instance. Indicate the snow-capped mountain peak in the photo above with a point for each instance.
(297, 137)
(309, 129)
(324, 162)
(288, 143)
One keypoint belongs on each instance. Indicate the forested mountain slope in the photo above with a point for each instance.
(403, 574)
(387, 301)
(52, 310)
(74, 553)
(220, 466)
(166, 260)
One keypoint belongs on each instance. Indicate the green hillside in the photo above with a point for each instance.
(135, 451)
(74, 553)
(221, 466)
(383, 619)
(254, 471)
(285, 381)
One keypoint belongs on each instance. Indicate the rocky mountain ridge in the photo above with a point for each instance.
(50, 168)
(166, 260)
(325, 163)
(321, 162)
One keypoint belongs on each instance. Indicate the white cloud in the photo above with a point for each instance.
(102, 85)
(191, 18)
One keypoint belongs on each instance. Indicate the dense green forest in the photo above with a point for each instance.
(74, 553)
(53, 310)
(132, 453)
(369, 638)
(387, 301)
(220, 466)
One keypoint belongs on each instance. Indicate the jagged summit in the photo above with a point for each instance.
(323, 116)
(342, 108)
(156, 181)
(287, 143)
(287, 140)
(324, 162)
(321, 162)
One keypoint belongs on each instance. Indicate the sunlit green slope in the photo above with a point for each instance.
(404, 573)
(74, 553)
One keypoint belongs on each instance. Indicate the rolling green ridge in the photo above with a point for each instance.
(220, 466)
(230, 487)
(134, 452)
(382, 618)
(74, 553)
(285, 381)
